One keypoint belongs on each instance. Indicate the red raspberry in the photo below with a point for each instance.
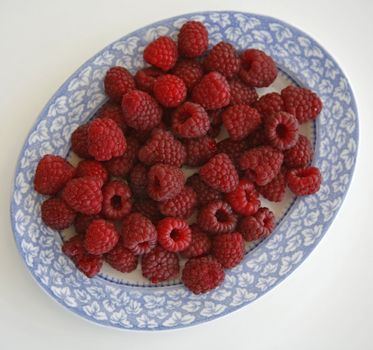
(257, 138)
(159, 265)
(118, 81)
(258, 226)
(52, 173)
(162, 147)
(244, 199)
(82, 222)
(138, 180)
(190, 71)
(269, 104)
(261, 164)
(112, 111)
(204, 192)
(241, 94)
(212, 91)
(164, 182)
(138, 233)
(79, 141)
(203, 274)
(192, 39)
(88, 264)
(233, 149)
(223, 59)
(199, 150)
(180, 206)
(105, 139)
(83, 195)
(228, 249)
(217, 217)
(304, 181)
(274, 190)
(281, 130)
(56, 214)
(190, 120)
(240, 121)
(146, 77)
(92, 168)
(73, 246)
(148, 208)
(121, 258)
(257, 68)
(169, 90)
(200, 244)
(117, 200)
(101, 237)
(302, 103)
(220, 173)
(141, 111)
(300, 155)
(174, 234)
(161, 53)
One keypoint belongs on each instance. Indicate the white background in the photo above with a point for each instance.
(325, 304)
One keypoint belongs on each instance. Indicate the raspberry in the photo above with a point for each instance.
(121, 258)
(141, 111)
(101, 237)
(261, 164)
(192, 39)
(244, 199)
(164, 182)
(159, 265)
(223, 59)
(117, 200)
(174, 234)
(112, 111)
(274, 190)
(190, 120)
(269, 104)
(169, 90)
(304, 104)
(118, 81)
(300, 155)
(200, 244)
(228, 249)
(240, 121)
(92, 168)
(138, 180)
(148, 208)
(212, 91)
(281, 130)
(52, 173)
(105, 139)
(258, 226)
(163, 148)
(89, 264)
(84, 195)
(146, 77)
(138, 233)
(220, 173)
(190, 71)
(257, 68)
(79, 141)
(56, 214)
(181, 206)
(82, 222)
(241, 94)
(199, 150)
(304, 181)
(204, 192)
(73, 246)
(256, 138)
(203, 274)
(161, 53)
(233, 149)
(217, 217)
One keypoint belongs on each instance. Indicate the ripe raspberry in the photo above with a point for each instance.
(79, 141)
(240, 121)
(190, 71)
(88, 264)
(84, 195)
(192, 39)
(200, 244)
(217, 217)
(233, 149)
(52, 173)
(105, 139)
(212, 91)
(146, 77)
(258, 226)
(163, 148)
(121, 258)
(148, 208)
(304, 181)
(269, 104)
(161, 53)
(244, 199)
(257, 138)
(199, 150)
(118, 81)
(274, 190)
(261, 164)
(164, 182)
(300, 155)
(223, 59)
(141, 111)
(138, 180)
(169, 90)
(281, 130)
(241, 94)
(56, 214)
(203, 274)
(220, 173)
(304, 104)
(228, 249)
(82, 222)
(174, 234)
(73, 246)
(101, 237)
(204, 192)
(112, 111)
(257, 68)
(117, 200)
(138, 233)
(190, 120)
(92, 168)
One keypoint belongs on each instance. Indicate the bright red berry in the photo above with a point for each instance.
(138, 180)
(258, 226)
(118, 81)
(300, 154)
(304, 181)
(112, 111)
(274, 190)
(190, 71)
(56, 214)
(228, 249)
(204, 192)
(73, 246)
(101, 237)
(79, 141)
(200, 244)
(146, 77)
(192, 39)
(241, 94)
(92, 168)
(88, 264)
(174, 234)
(269, 104)
(169, 90)
(161, 53)
(121, 258)
(117, 200)
(199, 150)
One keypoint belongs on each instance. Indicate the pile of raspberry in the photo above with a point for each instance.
(128, 198)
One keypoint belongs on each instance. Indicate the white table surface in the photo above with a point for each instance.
(325, 304)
